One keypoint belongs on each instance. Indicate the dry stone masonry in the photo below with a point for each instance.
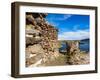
(73, 52)
(41, 40)
(74, 55)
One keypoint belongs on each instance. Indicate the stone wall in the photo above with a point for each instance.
(41, 39)
(73, 53)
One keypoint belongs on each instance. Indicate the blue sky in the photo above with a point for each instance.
(70, 26)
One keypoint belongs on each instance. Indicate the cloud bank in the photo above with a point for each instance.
(74, 35)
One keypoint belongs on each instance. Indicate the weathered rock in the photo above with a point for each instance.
(73, 52)
(40, 33)
(33, 54)
(35, 15)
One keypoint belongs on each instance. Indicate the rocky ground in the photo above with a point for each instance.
(62, 60)
(85, 58)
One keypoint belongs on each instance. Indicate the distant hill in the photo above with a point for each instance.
(85, 40)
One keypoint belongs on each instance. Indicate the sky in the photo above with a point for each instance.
(70, 26)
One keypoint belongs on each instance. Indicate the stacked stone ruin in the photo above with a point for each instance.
(73, 52)
(41, 40)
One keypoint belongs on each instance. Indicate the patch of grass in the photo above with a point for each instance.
(61, 58)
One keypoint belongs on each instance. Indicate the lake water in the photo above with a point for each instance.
(84, 46)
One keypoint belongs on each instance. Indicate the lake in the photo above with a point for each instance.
(84, 45)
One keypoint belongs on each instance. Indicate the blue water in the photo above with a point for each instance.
(84, 46)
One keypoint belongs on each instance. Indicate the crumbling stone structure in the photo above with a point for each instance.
(73, 52)
(41, 40)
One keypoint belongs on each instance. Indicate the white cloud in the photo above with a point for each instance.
(76, 35)
(64, 17)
